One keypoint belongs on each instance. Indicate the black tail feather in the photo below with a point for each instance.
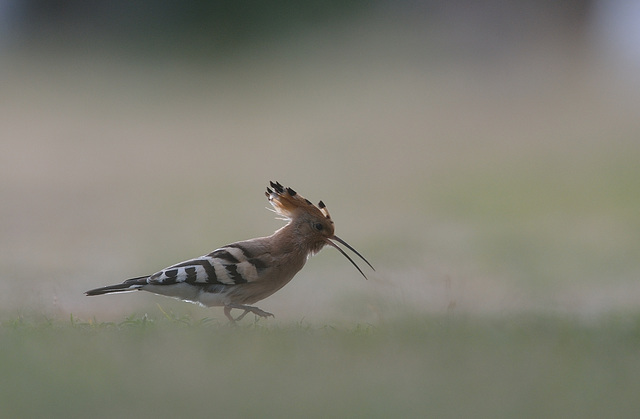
(128, 285)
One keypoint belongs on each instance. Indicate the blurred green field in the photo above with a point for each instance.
(419, 366)
(493, 181)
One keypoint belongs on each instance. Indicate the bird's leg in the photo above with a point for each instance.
(240, 317)
(247, 309)
(227, 312)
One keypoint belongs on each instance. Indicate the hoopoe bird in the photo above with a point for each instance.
(243, 273)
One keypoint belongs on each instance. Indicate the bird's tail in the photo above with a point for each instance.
(128, 285)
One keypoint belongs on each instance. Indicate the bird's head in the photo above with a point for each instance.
(313, 222)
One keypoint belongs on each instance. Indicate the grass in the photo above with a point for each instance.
(426, 366)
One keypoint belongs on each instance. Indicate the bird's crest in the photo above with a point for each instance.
(287, 202)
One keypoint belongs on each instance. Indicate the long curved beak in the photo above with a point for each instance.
(339, 240)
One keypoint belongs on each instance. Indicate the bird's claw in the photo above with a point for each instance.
(247, 309)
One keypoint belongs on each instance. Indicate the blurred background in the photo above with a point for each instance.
(482, 155)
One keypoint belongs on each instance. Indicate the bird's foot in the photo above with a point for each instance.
(247, 309)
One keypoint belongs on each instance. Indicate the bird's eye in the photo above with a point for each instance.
(318, 226)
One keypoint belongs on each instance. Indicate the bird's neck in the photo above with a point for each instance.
(293, 245)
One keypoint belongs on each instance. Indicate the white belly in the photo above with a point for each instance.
(189, 293)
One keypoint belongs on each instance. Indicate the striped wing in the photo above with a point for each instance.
(237, 263)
